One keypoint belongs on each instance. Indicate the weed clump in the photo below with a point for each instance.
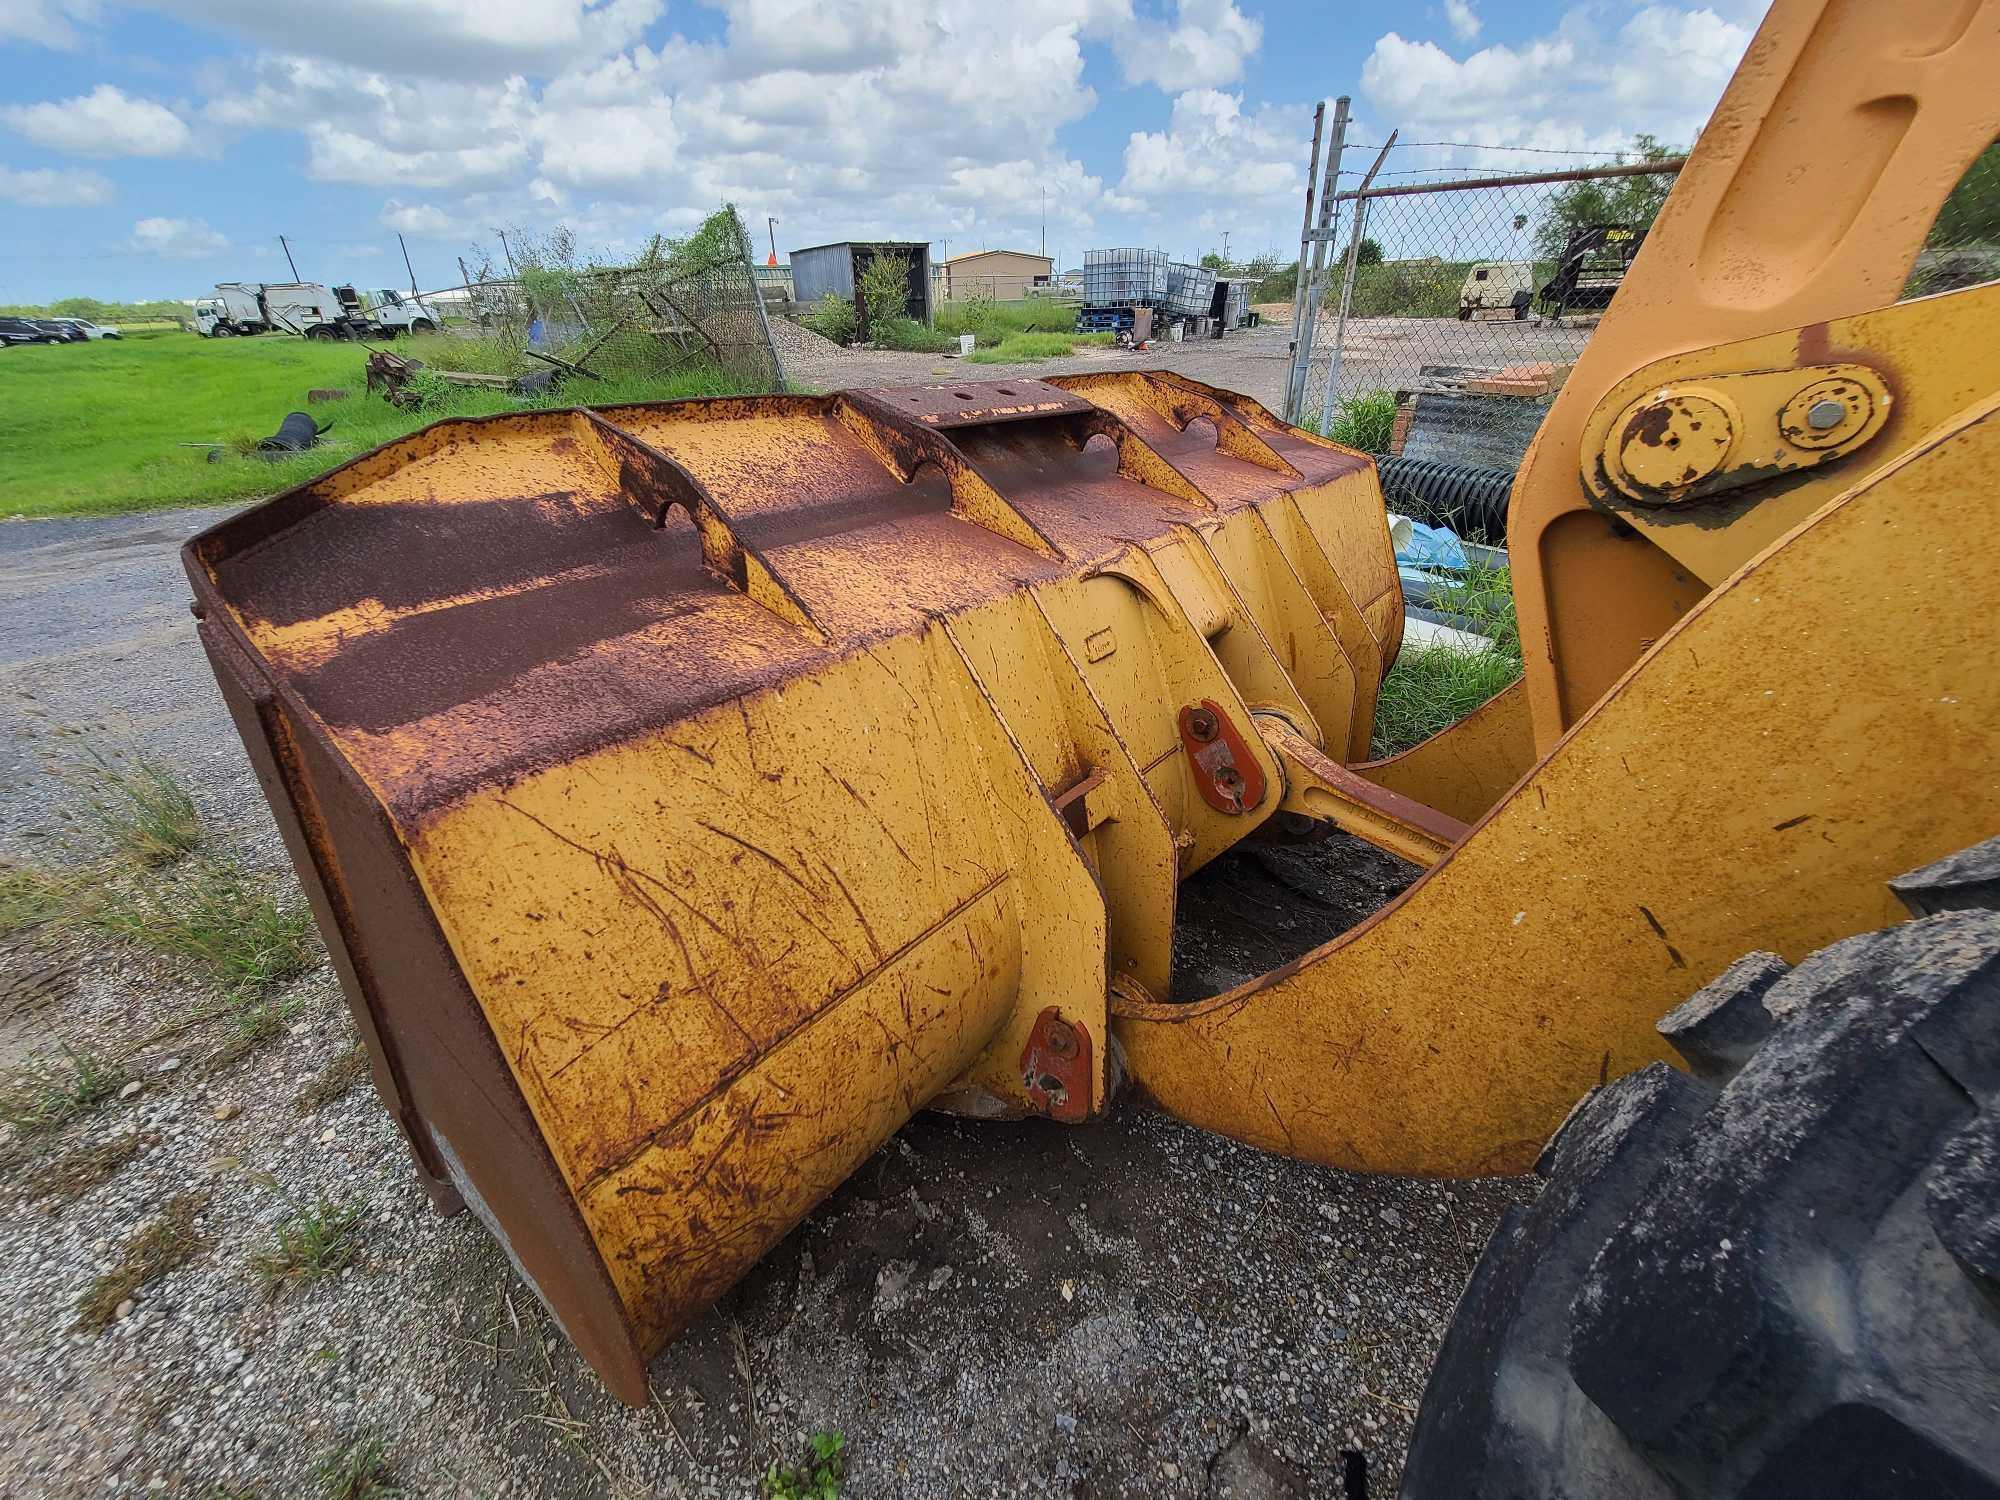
(162, 1246)
(817, 1478)
(48, 1092)
(311, 1243)
(355, 1471)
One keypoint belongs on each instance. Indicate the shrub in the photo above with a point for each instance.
(885, 287)
(1365, 422)
(910, 336)
(831, 318)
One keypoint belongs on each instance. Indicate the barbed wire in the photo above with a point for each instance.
(1620, 151)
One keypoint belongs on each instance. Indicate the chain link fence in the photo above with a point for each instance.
(1437, 318)
(681, 304)
(1445, 314)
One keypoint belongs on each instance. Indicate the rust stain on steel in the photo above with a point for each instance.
(1225, 772)
(656, 772)
(973, 404)
(1055, 1067)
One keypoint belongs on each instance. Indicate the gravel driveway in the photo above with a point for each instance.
(1132, 1308)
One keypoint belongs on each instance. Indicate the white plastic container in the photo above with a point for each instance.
(966, 342)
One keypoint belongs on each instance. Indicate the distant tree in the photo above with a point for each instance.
(1633, 201)
(1214, 261)
(1370, 253)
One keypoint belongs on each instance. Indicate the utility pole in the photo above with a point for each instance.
(1045, 221)
(507, 251)
(406, 263)
(771, 227)
(288, 257)
(1225, 249)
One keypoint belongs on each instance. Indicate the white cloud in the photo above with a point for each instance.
(49, 23)
(1211, 146)
(1420, 81)
(42, 187)
(470, 39)
(863, 118)
(104, 122)
(419, 218)
(1580, 86)
(1205, 46)
(176, 239)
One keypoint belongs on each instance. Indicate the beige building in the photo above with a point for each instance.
(1003, 275)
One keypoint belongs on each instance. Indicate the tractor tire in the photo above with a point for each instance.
(1775, 1276)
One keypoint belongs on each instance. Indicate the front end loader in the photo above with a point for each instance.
(689, 793)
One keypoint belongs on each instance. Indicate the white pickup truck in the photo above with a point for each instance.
(310, 310)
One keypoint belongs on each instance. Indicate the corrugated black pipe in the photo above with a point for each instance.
(1471, 501)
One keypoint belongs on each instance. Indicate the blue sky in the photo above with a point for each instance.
(148, 151)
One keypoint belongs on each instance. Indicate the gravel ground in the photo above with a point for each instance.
(1382, 353)
(1252, 361)
(1133, 1308)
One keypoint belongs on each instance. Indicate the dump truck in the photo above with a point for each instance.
(691, 792)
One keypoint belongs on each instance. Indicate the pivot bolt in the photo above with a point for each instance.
(1824, 414)
(1201, 724)
(1059, 1037)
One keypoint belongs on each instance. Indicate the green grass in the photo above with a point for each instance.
(31, 897)
(46, 1093)
(991, 322)
(150, 879)
(168, 1242)
(355, 1471)
(147, 817)
(93, 428)
(1365, 422)
(1021, 348)
(817, 1478)
(1432, 687)
(910, 336)
(251, 929)
(310, 1244)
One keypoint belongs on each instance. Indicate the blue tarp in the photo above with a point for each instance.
(1430, 547)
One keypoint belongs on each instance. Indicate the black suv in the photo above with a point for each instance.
(23, 331)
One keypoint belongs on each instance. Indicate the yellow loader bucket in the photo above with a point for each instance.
(688, 793)
(691, 792)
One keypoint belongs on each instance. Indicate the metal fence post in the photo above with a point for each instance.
(1305, 289)
(1298, 276)
(1347, 284)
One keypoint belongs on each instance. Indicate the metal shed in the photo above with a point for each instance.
(820, 269)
